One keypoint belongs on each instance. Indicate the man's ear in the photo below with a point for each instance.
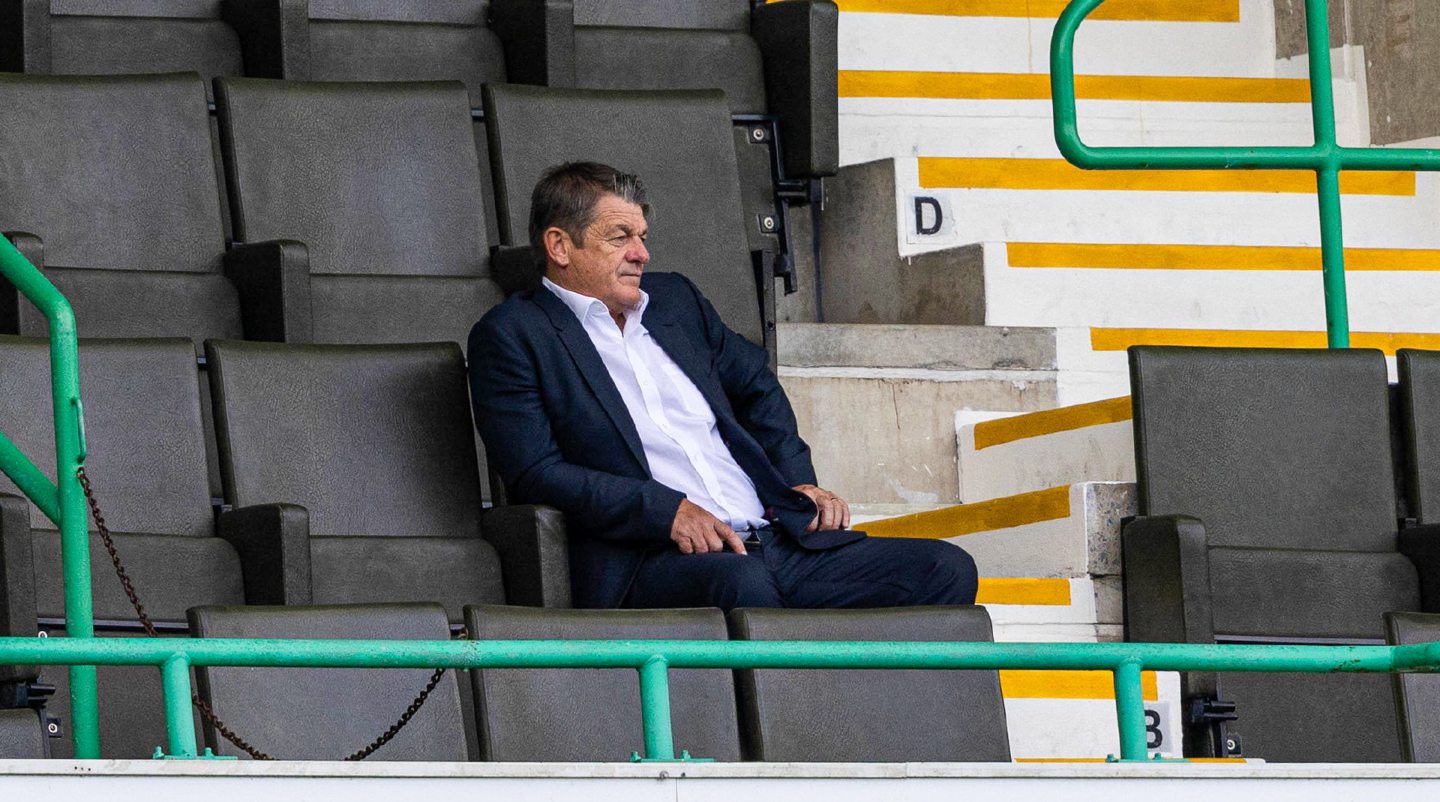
(557, 246)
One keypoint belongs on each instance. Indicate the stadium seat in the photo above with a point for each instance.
(105, 37)
(592, 714)
(370, 450)
(379, 183)
(109, 185)
(870, 715)
(678, 143)
(1267, 514)
(21, 736)
(769, 58)
(329, 713)
(147, 462)
(1417, 695)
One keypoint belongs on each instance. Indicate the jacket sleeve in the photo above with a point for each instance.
(519, 442)
(755, 394)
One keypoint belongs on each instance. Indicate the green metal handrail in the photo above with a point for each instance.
(653, 660)
(1326, 157)
(61, 501)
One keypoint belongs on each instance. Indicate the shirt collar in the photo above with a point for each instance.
(583, 305)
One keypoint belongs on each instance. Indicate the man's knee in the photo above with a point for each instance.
(953, 578)
(744, 581)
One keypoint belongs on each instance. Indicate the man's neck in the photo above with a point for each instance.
(617, 315)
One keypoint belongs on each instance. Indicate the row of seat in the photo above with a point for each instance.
(1268, 498)
(594, 714)
(358, 210)
(776, 58)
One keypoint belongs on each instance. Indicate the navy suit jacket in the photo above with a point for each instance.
(558, 432)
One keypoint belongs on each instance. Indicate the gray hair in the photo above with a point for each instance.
(566, 197)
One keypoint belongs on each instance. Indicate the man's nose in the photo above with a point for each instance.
(638, 252)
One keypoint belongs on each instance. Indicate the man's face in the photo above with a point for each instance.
(609, 265)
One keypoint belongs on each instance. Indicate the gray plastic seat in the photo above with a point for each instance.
(1417, 695)
(105, 37)
(678, 143)
(594, 714)
(147, 461)
(1268, 514)
(826, 715)
(21, 736)
(370, 451)
(380, 184)
(328, 713)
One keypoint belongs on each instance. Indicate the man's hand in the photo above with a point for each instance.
(696, 531)
(833, 513)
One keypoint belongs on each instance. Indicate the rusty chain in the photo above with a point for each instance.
(206, 712)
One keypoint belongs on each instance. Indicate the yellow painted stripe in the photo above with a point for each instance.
(1213, 257)
(1006, 590)
(1036, 86)
(1038, 424)
(1069, 685)
(982, 516)
(1106, 760)
(1120, 339)
(1154, 10)
(1058, 174)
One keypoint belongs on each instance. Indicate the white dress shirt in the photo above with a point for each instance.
(676, 425)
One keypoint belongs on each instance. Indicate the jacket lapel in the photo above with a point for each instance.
(592, 368)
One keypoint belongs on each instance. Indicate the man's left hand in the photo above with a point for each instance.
(833, 513)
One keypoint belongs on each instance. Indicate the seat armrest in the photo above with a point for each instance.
(17, 580)
(273, 280)
(539, 40)
(273, 541)
(514, 268)
(798, 46)
(1422, 545)
(274, 36)
(534, 555)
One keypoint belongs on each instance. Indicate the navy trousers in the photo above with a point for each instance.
(777, 572)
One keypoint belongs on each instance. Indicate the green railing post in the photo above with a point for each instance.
(1326, 158)
(655, 709)
(1130, 710)
(63, 502)
(179, 721)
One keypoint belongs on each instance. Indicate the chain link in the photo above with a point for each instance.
(206, 712)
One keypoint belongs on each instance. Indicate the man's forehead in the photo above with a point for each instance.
(619, 215)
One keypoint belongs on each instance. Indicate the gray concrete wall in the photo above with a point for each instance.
(1402, 58)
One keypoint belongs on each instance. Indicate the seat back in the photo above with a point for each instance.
(105, 37)
(21, 736)
(147, 462)
(870, 715)
(590, 714)
(1417, 695)
(116, 177)
(1284, 455)
(327, 713)
(381, 182)
(1420, 422)
(679, 143)
(405, 40)
(376, 443)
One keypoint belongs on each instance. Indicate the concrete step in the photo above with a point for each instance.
(965, 42)
(1004, 455)
(876, 403)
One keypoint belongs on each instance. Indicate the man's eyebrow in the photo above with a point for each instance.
(628, 231)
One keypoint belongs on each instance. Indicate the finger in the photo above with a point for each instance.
(714, 541)
(827, 514)
(844, 514)
(684, 543)
(731, 539)
(814, 524)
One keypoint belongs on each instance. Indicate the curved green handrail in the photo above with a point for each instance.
(1326, 158)
(61, 501)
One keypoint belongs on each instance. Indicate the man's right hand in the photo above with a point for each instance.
(696, 531)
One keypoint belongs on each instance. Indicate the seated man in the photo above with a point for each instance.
(621, 398)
